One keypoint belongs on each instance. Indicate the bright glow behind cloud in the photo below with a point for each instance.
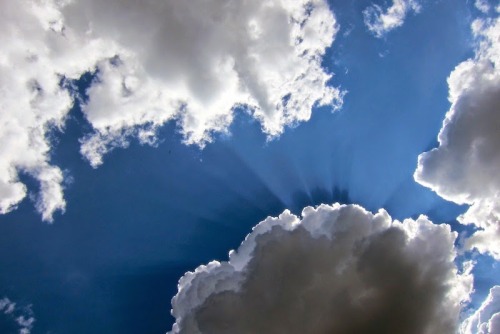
(189, 61)
(380, 22)
(339, 269)
(464, 168)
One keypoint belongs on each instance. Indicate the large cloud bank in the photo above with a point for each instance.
(155, 61)
(380, 22)
(465, 166)
(486, 319)
(338, 269)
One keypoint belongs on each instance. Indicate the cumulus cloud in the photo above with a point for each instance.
(338, 269)
(380, 22)
(464, 168)
(154, 61)
(36, 58)
(31, 102)
(196, 61)
(486, 319)
(23, 316)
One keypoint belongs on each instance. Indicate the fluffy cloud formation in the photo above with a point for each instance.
(197, 60)
(464, 168)
(154, 61)
(486, 320)
(31, 102)
(339, 269)
(380, 22)
(22, 316)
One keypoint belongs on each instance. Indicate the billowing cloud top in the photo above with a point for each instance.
(464, 168)
(155, 61)
(339, 269)
(486, 319)
(380, 22)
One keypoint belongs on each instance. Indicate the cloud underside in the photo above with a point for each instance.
(380, 22)
(464, 168)
(339, 269)
(154, 61)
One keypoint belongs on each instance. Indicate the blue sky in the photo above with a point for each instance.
(135, 224)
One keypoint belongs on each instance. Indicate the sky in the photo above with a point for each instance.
(249, 166)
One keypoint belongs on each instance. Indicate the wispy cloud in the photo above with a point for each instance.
(380, 21)
(23, 316)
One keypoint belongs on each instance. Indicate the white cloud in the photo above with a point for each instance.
(36, 53)
(156, 61)
(196, 61)
(464, 168)
(380, 22)
(337, 269)
(482, 5)
(486, 319)
(23, 316)
(7, 306)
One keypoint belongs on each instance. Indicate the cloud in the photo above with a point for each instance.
(380, 22)
(464, 168)
(486, 319)
(154, 61)
(32, 102)
(338, 269)
(482, 5)
(7, 306)
(196, 61)
(23, 316)
(38, 55)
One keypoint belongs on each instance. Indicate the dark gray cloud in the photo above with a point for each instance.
(339, 269)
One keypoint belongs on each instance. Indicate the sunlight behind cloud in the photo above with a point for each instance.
(336, 269)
